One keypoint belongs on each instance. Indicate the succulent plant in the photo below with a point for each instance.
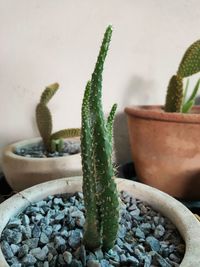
(99, 188)
(189, 102)
(190, 64)
(52, 141)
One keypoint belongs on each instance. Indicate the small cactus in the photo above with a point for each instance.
(99, 188)
(174, 94)
(52, 142)
(190, 64)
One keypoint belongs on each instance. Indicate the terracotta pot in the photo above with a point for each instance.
(166, 149)
(182, 218)
(22, 172)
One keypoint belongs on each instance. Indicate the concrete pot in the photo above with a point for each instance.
(22, 172)
(166, 149)
(185, 221)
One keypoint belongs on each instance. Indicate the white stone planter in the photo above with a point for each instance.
(22, 172)
(185, 221)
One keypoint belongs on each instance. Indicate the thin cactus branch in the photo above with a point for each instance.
(185, 91)
(110, 120)
(188, 104)
(195, 91)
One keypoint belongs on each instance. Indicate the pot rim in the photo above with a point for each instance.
(183, 219)
(156, 112)
(8, 150)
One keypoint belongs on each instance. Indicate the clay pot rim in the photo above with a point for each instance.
(9, 151)
(156, 112)
(183, 219)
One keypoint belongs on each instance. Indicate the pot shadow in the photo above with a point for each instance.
(138, 92)
(121, 140)
(191, 190)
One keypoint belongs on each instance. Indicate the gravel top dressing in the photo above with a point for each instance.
(38, 151)
(49, 233)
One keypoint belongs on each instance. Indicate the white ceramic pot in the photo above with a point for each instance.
(181, 217)
(23, 172)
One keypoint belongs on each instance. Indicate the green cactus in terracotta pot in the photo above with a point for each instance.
(99, 188)
(52, 141)
(190, 64)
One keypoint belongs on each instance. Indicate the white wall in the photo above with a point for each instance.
(46, 41)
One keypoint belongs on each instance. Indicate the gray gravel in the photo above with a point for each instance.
(49, 234)
(38, 151)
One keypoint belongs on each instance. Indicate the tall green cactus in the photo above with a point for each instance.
(99, 188)
(190, 64)
(52, 141)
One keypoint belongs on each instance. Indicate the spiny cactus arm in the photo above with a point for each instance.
(106, 188)
(91, 239)
(190, 64)
(66, 133)
(174, 96)
(109, 126)
(44, 123)
(191, 101)
(49, 93)
(110, 121)
(97, 74)
(110, 224)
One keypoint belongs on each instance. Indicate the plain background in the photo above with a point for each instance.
(47, 41)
